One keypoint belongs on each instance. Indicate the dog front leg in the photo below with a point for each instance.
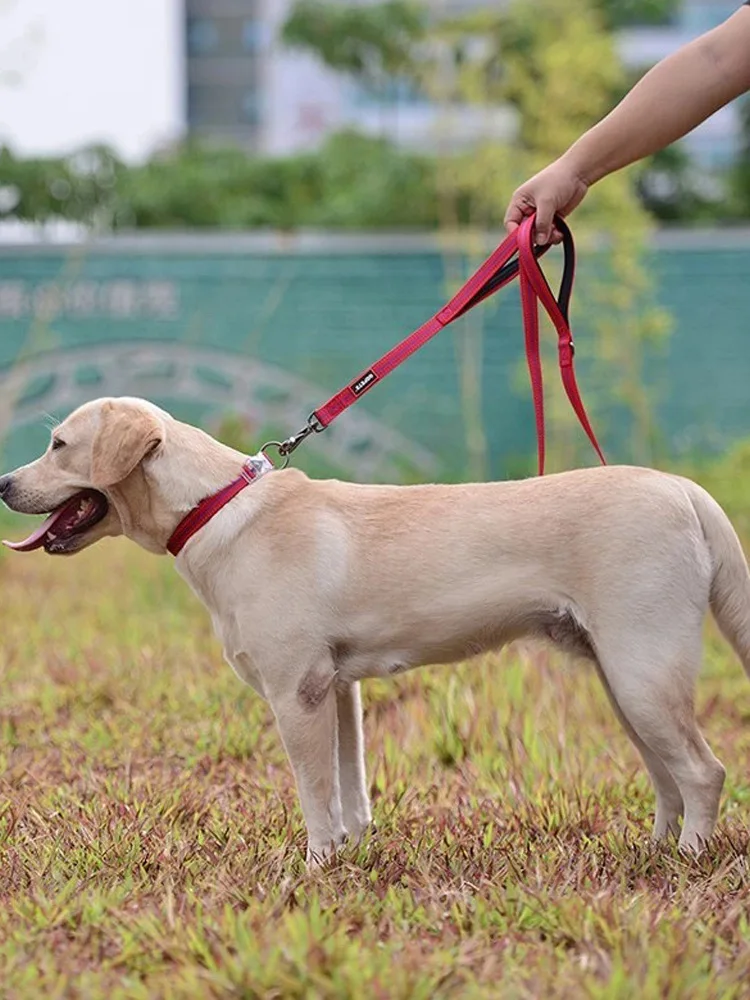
(308, 724)
(354, 798)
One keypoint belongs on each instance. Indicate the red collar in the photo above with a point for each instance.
(254, 468)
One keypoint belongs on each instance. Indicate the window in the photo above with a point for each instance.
(223, 107)
(392, 92)
(202, 36)
(252, 111)
(210, 106)
(254, 37)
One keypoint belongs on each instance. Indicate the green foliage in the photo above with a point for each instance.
(528, 59)
(627, 13)
(741, 173)
(222, 188)
(673, 190)
(525, 52)
(559, 70)
(556, 66)
(353, 182)
(369, 184)
(727, 478)
(370, 42)
(81, 187)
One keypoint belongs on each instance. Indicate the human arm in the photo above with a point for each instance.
(671, 99)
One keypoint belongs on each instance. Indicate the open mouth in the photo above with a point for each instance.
(61, 530)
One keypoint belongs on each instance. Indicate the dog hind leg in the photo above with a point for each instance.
(654, 692)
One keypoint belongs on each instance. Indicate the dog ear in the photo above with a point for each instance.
(126, 434)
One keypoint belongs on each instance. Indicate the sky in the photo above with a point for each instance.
(79, 71)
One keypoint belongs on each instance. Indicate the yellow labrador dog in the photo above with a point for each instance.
(313, 586)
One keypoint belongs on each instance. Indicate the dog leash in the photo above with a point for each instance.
(518, 256)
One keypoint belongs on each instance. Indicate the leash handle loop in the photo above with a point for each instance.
(535, 289)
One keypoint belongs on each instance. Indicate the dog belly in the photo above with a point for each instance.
(561, 626)
(352, 666)
(357, 662)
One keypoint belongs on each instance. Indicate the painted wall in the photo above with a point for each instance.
(271, 328)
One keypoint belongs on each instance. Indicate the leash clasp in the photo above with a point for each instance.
(313, 426)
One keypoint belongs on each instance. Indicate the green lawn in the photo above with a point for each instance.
(151, 843)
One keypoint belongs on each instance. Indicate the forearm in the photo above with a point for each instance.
(669, 101)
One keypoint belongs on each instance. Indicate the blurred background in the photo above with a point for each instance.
(233, 206)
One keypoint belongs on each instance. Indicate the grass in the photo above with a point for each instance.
(151, 842)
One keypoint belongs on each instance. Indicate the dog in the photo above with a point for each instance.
(314, 586)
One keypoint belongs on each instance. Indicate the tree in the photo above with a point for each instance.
(558, 68)
(359, 40)
(741, 173)
(626, 13)
(555, 64)
(375, 44)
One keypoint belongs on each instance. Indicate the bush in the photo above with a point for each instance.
(353, 182)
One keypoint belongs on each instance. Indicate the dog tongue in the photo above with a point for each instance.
(37, 538)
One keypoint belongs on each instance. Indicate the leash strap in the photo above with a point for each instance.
(518, 256)
(498, 270)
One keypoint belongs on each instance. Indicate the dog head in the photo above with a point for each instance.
(114, 466)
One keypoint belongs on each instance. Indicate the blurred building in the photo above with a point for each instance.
(229, 53)
(244, 86)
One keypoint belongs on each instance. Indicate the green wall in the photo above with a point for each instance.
(323, 309)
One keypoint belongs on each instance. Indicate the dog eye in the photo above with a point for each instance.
(57, 443)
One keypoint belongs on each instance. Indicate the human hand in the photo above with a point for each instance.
(556, 190)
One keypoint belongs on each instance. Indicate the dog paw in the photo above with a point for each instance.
(319, 854)
(359, 828)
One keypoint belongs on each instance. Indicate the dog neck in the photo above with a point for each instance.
(164, 490)
(253, 469)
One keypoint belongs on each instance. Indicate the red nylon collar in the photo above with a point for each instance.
(254, 468)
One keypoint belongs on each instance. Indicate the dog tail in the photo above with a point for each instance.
(730, 584)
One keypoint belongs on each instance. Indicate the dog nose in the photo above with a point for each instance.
(5, 484)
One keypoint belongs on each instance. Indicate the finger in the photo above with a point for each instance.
(545, 211)
(516, 213)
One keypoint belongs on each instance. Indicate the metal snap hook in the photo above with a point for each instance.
(279, 446)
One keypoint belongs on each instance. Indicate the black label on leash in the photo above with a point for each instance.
(363, 382)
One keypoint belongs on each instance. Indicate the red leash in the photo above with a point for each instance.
(516, 255)
(498, 270)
